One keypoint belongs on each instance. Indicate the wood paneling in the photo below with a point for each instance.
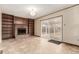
(20, 20)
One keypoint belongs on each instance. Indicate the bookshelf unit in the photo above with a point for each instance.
(7, 26)
(31, 27)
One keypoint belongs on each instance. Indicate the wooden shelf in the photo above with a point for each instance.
(31, 27)
(6, 33)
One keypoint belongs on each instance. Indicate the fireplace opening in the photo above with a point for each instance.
(21, 31)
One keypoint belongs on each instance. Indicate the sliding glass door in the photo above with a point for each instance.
(56, 28)
(52, 28)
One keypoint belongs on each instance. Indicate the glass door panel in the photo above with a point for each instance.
(45, 29)
(56, 28)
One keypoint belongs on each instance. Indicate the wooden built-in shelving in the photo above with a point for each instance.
(31, 27)
(9, 22)
(7, 26)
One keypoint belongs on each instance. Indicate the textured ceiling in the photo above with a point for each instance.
(22, 9)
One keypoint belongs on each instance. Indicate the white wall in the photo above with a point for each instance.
(0, 27)
(71, 27)
(37, 26)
